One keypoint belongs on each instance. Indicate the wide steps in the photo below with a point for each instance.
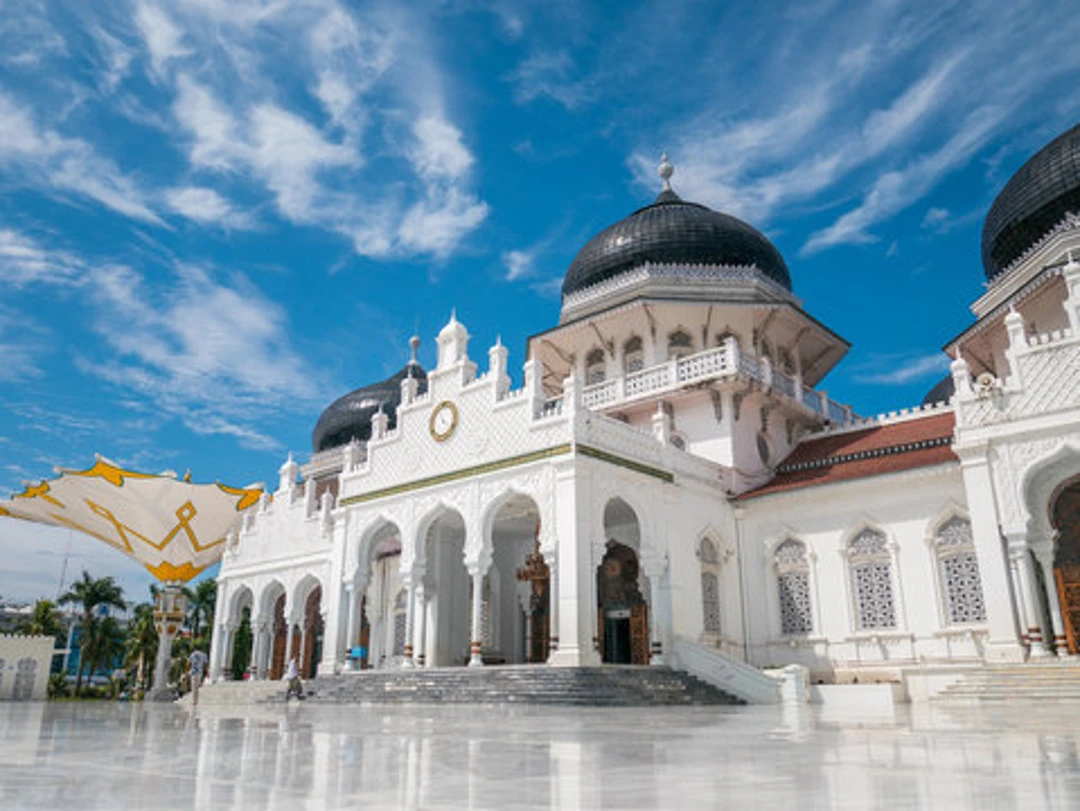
(595, 687)
(1029, 682)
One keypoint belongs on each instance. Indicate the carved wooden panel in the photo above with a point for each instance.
(1068, 586)
(639, 634)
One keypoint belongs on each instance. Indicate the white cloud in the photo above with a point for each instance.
(213, 127)
(902, 370)
(439, 222)
(548, 74)
(935, 217)
(164, 40)
(51, 161)
(23, 261)
(518, 264)
(216, 356)
(21, 344)
(896, 190)
(439, 152)
(204, 205)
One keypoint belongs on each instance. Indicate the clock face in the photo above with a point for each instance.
(444, 420)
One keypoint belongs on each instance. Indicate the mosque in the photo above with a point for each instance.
(671, 485)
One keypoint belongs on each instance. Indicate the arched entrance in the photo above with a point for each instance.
(1065, 516)
(622, 611)
(444, 614)
(516, 608)
(238, 645)
(280, 635)
(313, 634)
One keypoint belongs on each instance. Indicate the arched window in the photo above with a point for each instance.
(766, 350)
(594, 367)
(680, 344)
(399, 622)
(871, 580)
(958, 567)
(783, 360)
(710, 587)
(793, 585)
(633, 355)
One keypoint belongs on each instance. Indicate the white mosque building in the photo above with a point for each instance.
(671, 485)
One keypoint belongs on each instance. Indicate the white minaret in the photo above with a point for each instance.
(453, 343)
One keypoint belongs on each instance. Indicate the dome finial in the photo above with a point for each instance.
(665, 170)
(414, 344)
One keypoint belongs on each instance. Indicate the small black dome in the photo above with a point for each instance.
(942, 392)
(673, 231)
(349, 417)
(1034, 200)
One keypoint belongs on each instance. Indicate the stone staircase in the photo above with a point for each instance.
(608, 686)
(228, 693)
(1057, 681)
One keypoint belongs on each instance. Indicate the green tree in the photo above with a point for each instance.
(141, 644)
(241, 657)
(45, 620)
(89, 593)
(102, 642)
(201, 603)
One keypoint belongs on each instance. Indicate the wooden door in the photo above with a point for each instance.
(1067, 578)
(639, 634)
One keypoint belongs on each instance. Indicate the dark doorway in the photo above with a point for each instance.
(623, 628)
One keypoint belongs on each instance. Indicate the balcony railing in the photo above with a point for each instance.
(719, 362)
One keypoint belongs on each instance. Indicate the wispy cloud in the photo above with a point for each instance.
(50, 161)
(214, 355)
(518, 264)
(24, 261)
(203, 205)
(898, 370)
(551, 75)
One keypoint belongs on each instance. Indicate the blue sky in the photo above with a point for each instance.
(215, 218)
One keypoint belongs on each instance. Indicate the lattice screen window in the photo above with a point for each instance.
(633, 355)
(959, 569)
(871, 580)
(793, 587)
(680, 344)
(595, 369)
(400, 623)
(710, 586)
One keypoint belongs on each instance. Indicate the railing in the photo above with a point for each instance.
(719, 670)
(712, 363)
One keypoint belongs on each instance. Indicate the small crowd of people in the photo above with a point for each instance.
(198, 662)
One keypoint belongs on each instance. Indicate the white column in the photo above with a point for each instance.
(350, 627)
(476, 635)
(1045, 556)
(410, 605)
(1002, 642)
(217, 652)
(1018, 549)
(258, 648)
(553, 604)
(576, 613)
(421, 620)
(656, 643)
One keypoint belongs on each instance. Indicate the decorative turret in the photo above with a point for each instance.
(453, 343)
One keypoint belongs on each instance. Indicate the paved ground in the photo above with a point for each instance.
(455, 757)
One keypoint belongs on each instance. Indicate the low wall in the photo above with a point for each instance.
(24, 667)
(858, 697)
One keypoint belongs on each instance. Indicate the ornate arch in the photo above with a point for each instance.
(367, 539)
(870, 555)
(1040, 482)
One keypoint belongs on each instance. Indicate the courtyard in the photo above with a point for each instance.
(503, 757)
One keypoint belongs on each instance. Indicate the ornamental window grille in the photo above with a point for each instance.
(871, 580)
(400, 623)
(710, 587)
(680, 344)
(958, 568)
(793, 587)
(633, 355)
(595, 370)
(25, 676)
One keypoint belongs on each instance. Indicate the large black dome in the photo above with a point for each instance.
(672, 231)
(1034, 200)
(349, 417)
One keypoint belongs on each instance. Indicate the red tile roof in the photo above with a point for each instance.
(858, 454)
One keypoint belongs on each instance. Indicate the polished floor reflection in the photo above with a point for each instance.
(123, 756)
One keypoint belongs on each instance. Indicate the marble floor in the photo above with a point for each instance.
(116, 756)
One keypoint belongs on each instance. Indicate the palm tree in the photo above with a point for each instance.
(201, 604)
(103, 641)
(45, 620)
(91, 592)
(141, 643)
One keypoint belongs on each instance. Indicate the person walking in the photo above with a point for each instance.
(197, 668)
(292, 679)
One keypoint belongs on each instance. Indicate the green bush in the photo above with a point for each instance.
(58, 686)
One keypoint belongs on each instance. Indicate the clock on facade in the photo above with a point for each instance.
(444, 420)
